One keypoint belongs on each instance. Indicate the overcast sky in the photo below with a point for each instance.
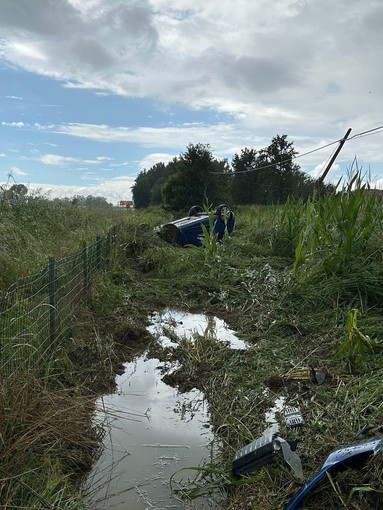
(94, 91)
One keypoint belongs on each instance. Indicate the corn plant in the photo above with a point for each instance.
(288, 224)
(355, 346)
(340, 226)
(210, 239)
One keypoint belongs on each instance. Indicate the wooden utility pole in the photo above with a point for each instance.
(330, 163)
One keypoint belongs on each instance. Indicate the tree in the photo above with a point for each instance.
(245, 179)
(157, 176)
(147, 188)
(281, 172)
(270, 175)
(18, 191)
(198, 177)
(90, 201)
(141, 190)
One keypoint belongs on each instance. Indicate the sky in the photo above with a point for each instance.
(92, 91)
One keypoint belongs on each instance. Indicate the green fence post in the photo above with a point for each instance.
(114, 243)
(107, 247)
(52, 300)
(85, 267)
(98, 253)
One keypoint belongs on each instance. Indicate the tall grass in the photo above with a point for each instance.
(288, 222)
(33, 229)
(252, 229)
(341, 226)
(336, 244)
(47, 441)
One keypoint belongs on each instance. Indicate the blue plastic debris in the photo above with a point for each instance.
(344, 456)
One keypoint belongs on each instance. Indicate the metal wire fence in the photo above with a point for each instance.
(36, 311)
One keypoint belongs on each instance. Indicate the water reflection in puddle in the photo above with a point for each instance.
(186, 325)
(152, 431)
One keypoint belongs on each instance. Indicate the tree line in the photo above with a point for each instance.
(19, 193)
(265, 176)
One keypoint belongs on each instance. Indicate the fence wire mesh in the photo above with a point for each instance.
(35, 311)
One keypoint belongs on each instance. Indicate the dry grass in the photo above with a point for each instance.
(47, 443)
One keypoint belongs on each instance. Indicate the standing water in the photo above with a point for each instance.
(152, 431)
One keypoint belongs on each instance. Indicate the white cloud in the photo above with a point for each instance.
(13, 124)
(113, 190)
(378, 184)
(177, 136)
(287, 66)
(331, 175)
(57, 160)
(104, 158)
(18, 171)
(298, 67)
(154, 158)
(225, 139)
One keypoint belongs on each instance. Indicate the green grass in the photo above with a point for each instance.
(288, 280)
(31, 231)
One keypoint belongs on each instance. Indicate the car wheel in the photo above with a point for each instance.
(224, 213)
(195, 210)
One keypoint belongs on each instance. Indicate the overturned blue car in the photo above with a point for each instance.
(189, 230)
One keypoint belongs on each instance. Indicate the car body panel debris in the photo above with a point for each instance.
(305, 374)
(344, 456)
(262, 451)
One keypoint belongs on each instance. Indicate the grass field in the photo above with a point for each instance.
(302, 283)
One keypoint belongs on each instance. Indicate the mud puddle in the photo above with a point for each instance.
(153, 431)
(187, 325)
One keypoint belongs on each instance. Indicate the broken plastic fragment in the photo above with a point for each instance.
(305, 374)
(338, 458)
(293, 417)
(254, 455)
(261, 452)
(292, 459)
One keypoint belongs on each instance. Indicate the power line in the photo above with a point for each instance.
(280, 162)
(364, 133)
(368, 132)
